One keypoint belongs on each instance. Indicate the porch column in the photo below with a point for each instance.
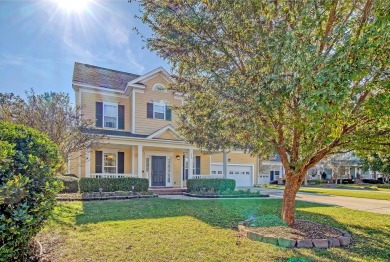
(88, 163)
(132, 160)
(140, 161)
(225, 164)
(190, 163)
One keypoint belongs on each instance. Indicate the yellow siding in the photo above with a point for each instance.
(146, 125)
(88, 102)
(167, 135)
(235, 158)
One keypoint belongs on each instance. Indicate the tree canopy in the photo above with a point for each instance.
(303, 78)
(53, 114)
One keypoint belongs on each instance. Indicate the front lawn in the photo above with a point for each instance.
(198, 230)
(381, 195)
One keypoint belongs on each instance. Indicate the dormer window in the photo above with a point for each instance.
(159, 88)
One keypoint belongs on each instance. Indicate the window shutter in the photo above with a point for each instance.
(150, 110)
(197, 165)
(168, 113)
(98, 162)
(99, 114)
(121, 117)
(121, 162)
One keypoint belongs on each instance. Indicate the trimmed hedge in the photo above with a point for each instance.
(28, 188)
(113, 184)
(211, 185)
(71, 183)
(372, 181)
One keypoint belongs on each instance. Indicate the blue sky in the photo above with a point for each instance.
(41, 40)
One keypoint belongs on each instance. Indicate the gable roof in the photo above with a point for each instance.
(158, 70)
(101, 77)
(163, 130)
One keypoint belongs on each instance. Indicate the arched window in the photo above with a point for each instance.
(159, 88)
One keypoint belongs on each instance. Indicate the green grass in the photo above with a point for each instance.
(382, 195)
(198, 230)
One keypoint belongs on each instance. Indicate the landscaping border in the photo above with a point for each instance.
(103, 198)
(343, 240)
(224, 196)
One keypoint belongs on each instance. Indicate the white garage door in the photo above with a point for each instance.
(263, 179)
(243, 174)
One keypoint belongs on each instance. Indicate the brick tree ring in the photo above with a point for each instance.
(343, 238)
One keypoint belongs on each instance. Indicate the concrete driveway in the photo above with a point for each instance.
(363, 204)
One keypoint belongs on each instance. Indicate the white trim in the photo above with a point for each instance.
(190, 163)
(68, 165)
(133, 112)
(132, 159)
(99, 92)
(181, 168)
(146, 76)
(110, 151)
(139, 164)
(97, 88)
(156, 88)
(163, 130)
(161, 153)
(110, 103)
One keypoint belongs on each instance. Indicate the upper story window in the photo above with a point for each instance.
(159, 88)
(110, 113)
(159, 110)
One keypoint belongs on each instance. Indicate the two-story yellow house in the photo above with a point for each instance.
(134, 112)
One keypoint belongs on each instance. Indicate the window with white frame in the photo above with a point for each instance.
(109, 162)
(159, 111)
(110, 115)
(159, 88)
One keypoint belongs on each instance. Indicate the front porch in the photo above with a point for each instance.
(165, 165)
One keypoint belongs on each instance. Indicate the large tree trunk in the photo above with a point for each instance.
(293, 183)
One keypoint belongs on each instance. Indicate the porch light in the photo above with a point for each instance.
(229, 160)
(177, 157)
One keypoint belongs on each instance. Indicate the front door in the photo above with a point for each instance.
(158, 170)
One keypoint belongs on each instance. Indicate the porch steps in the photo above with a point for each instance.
(167, 191)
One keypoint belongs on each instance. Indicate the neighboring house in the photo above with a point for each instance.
(134, 112)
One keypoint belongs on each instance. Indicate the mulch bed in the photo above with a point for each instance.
(302, 229)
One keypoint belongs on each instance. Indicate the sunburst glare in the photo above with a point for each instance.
(73, 5)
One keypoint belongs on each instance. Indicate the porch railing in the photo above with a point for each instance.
(206, 176)
(109, 175)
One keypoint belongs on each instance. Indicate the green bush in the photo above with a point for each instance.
(211, 185)
(71, 183)
(113, 184)
(28, 160)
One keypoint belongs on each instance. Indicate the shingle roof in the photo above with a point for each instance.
(101, 77)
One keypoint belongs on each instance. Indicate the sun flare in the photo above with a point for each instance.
(73, 5)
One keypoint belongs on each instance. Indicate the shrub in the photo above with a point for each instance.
(113, 184)
(28, 160)
(71, 183)
(371, 181)
(384, 186)
(211, 185)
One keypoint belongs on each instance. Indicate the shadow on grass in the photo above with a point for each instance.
(369, 241)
